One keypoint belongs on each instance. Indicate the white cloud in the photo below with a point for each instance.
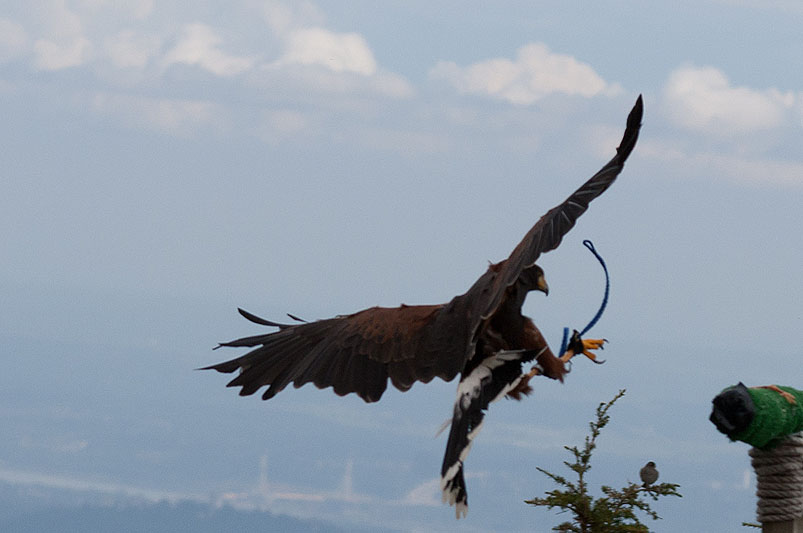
(735, 167)
(320, 59)
(127, 49)
(427, 494)
(703, 99)
(535, 73)
(140, 9)
(753, 170)
(315, 79)
(600, 140)
(58, 21)
(50, 55)
(137, 9)
(339, 52)
(533, 437)
(172, 116)
(392, 85)
(278, 125)
(314, 58)
(198, 45)
(62, 43)
(282, 17)
(286, 121)
(13, 39)
(301, 53)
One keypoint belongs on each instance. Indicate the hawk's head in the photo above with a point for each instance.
(532, 279)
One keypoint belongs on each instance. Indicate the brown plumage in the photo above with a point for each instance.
(480, 334)
(648, 474)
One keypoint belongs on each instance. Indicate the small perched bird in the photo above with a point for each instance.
(648, 474)
(480, 335)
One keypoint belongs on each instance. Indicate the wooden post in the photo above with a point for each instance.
(787, 526)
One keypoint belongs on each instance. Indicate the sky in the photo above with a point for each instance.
(164, 165)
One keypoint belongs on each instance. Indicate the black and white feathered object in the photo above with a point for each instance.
(488, 382)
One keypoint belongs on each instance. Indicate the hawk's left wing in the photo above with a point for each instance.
(488, 292)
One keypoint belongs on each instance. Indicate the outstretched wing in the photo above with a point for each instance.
(352, 353)
(487, 292)
(360, 352)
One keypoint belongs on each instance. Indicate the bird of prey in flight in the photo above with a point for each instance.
(480, 335)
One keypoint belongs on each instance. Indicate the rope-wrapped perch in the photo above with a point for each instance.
(779, 471)
(768, 418)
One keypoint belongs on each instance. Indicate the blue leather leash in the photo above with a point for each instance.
(588, 244)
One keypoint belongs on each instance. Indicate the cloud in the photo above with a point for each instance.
(318, 58)
(288, 56)
(310, 79)
(314, 58)
(535, 73)
(127, 49)
(735, 167)
(746, 482)
(391, 84)
(339, 52)
(139, 9)
(198, 45)
(62, 43)
(531, 436)
(703, 99)
(13, 39)
(175, 116)
(50, 55)
(427, 494)
(58, 21)
(299, 52)
(283, 18)
(283, 123)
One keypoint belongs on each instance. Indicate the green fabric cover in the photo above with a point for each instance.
(775, 417)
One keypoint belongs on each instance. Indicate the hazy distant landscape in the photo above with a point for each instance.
(55, 513)
(131, 445)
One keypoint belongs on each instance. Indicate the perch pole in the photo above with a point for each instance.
(769, 418)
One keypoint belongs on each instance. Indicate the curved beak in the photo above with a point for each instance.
(542, 286)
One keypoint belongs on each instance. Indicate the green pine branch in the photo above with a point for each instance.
(616, 510)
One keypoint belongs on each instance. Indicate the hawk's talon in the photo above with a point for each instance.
(584, 346)
(594, 358)
(577, 346)
(594, 344)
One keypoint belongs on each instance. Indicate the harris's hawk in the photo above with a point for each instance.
(480, 335)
